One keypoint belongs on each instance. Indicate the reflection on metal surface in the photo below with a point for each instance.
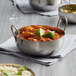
(45, 5)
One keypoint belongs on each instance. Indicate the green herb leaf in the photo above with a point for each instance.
(23, 68)
(6, 73)
(71, 8)
(19, 73)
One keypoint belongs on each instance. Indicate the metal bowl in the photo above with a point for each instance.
(70, 16)
(45, 5)
(39, 48)
(18, 66)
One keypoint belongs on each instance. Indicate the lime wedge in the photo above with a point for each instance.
(40, 32)
(50, 34)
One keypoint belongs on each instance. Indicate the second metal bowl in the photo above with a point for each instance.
(45, 5)
(70, 16)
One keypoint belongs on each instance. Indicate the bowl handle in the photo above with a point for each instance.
(12, 28)
(59, 21)
(19, 41)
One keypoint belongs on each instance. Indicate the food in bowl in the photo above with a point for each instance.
(40, 33)
(15, 70)
(69, 8)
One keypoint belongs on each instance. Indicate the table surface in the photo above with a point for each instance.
(64, 67)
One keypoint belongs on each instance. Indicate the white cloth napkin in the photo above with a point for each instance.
(68, 45)
(25, 7)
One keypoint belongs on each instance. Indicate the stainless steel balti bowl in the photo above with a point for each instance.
(45, 5)
(41, 47)
(70, 16)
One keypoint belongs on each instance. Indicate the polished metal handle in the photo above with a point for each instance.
(59, 21)
(20, 40)
(12, 28)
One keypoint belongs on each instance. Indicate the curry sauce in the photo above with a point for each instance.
(29, 33)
